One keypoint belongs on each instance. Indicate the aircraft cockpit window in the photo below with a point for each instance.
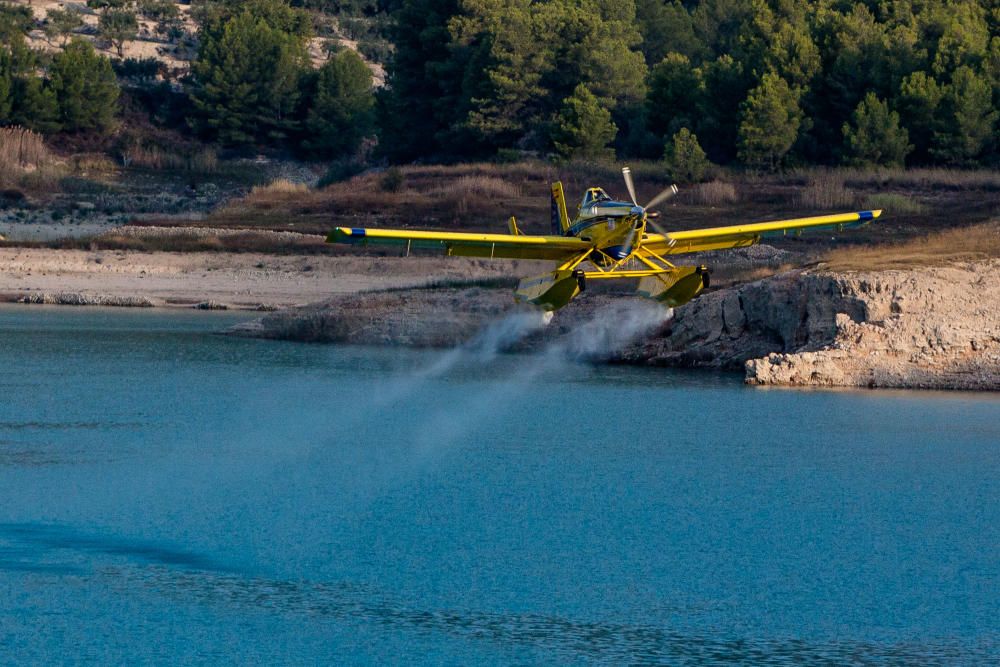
(594, 195)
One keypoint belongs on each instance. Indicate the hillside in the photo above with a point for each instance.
(173, 42)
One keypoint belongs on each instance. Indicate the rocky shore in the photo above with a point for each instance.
(935, 327)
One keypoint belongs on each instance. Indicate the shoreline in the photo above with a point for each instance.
(236, 281)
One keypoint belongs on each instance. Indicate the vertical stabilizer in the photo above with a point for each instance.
(560, 218)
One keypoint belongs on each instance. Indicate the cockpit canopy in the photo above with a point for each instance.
(593, 196)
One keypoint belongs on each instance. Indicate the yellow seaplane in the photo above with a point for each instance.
(607, 240)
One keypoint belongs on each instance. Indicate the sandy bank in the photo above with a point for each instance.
(238, 280)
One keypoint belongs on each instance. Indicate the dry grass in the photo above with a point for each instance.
(892, 202)
(249, 242)
(202, 161)
(714, 193)
(826, 190)
(25, 159)
(927, 178)
(466, 190)
(962, 244)
(84, 164)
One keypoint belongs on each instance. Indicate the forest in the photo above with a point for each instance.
(760, 84)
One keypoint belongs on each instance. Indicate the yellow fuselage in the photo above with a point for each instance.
(613, 227)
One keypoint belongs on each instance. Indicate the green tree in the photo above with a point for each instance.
(247, 81)
(874, 137)
(32, 103)
(584, 129)
(35, 105)
(667, 27)
(720, 24)
(520, 59)
(968, 119)
(341, 113)
(505, 60)
(159, 10)
(60, 24)
(770, 121)
(596, 43)
(777, 39)
(857, 59)
(965, 39)
(425, 83)
(674, 96)
(725, 86)
(15, 20)
(84, 87)
(684, 157)
(918, 103)
(118, 26)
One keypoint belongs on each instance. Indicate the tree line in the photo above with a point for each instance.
(760, 83)
(763, 83)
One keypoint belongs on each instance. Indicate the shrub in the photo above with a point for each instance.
(392, 180)
(684, 157)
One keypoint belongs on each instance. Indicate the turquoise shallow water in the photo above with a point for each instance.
(170, 495)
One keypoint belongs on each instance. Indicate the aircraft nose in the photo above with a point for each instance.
(638, 210)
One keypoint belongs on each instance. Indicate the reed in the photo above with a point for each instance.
(22, 152)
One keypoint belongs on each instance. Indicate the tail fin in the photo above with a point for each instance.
(560, 218)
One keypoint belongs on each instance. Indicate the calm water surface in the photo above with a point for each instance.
(170, 495)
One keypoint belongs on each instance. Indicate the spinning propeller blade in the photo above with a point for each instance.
(662, 197)
(627, 173)
(655, 201)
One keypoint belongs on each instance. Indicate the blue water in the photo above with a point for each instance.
(171, 495)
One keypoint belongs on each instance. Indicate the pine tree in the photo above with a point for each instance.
(35, 105)
(968, 119)
(341, 113)
(874, 137)
(726, 84)
(684, 157)
(770, 121)
(667, 27)
(32, 103)
(674, 96)
(84, 87)
(584, 129)
(420, 105)
(520, 59)
(247, 81)
(919, 99)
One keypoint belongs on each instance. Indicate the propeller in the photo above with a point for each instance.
(663, 196)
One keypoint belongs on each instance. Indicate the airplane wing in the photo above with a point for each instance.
(740, 236)
(514, 246)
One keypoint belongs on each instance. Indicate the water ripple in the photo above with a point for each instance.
(182, 574)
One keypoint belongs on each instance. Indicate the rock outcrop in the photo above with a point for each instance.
(928, 327)
(416, 318)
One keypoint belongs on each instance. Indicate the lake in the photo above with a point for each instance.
(171, 495)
